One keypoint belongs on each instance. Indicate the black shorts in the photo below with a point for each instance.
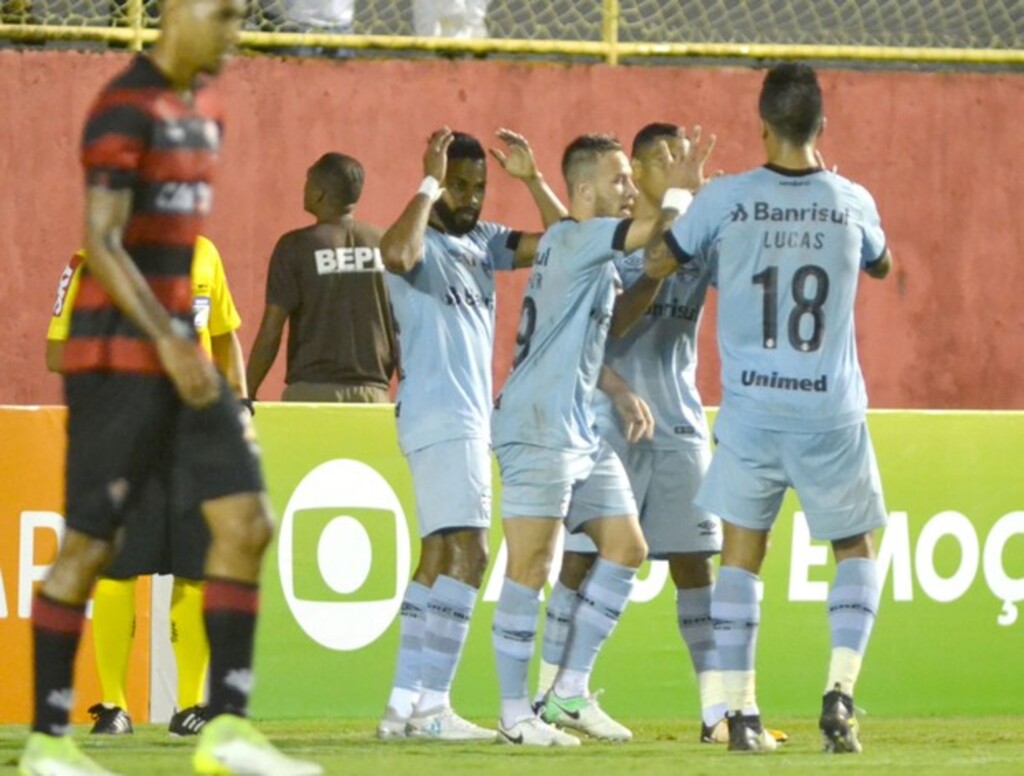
(126, 432)
(164, 532)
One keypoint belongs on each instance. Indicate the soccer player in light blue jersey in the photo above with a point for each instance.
(788, 241)
(547, 445)
(657, 359)
(441, 261)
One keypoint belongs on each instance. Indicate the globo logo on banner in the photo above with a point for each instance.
(343, 554)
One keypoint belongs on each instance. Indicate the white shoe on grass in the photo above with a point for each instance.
(444, 724)
(583, 713)
(533, 731)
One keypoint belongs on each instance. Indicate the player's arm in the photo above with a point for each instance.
(230, 362)
(264, 349)
(518, 161)
(637, 421)
(684, 175)
(631, 303)
(54, 355)
(107, 215)
(60, 324)
(223, 323)
(881, 266)
(401, 246)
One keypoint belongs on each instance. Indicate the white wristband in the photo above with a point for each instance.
(676, 199)
(431, 186)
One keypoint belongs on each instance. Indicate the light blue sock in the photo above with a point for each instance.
(557, 621)
(412, 622)
(736, 613)
(513, 635)
(693, 616)
(852, 606)
(853, 603)
(448, 612)
(602, 598)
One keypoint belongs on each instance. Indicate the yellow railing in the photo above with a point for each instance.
(134, 34)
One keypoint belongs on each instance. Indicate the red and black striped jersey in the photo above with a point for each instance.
(161, 144)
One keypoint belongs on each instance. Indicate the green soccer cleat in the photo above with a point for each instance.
(57, 756)
(582, 713)
(840, 732)
(231, 746)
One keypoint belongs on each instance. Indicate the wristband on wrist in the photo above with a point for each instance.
(676, 199)
(431, 186)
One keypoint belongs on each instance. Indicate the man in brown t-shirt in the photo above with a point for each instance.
(326, 281)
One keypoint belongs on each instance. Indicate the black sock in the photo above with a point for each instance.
(229, 610)
(56, 630)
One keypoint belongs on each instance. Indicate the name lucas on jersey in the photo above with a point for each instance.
(751, 377)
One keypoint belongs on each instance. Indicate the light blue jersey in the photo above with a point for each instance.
(788, 248)
(567, 310)
(658, 357)
(444, 315)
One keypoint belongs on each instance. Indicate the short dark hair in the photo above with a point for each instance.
(465, 146)
(791, 102)
(340, 176)
(652, 133)
(582, 152)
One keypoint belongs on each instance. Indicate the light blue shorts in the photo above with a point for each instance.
(541, 482)
(452, 482)
(665, 483)
(834, 473)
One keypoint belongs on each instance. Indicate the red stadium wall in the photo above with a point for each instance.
(939, 151)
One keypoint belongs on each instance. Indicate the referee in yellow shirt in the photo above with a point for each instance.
(179, 549)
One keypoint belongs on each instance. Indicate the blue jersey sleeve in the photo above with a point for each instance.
(871, 228)
(500, 243)
(693, 234)
(593, 242)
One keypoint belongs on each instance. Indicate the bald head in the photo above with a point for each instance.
(197, 35)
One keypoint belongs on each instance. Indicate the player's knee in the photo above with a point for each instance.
(246, 531)
(631, 552)
(530, 569)
(575, 567)
(467, 556)
(691, 570)
(80, 561)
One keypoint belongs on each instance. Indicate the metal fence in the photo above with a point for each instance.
(967, 32)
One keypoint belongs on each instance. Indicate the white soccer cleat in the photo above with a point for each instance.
(445, 725)
(533, 731)
(57, 756)
(231, 746)
(583, 713)
(392, 726)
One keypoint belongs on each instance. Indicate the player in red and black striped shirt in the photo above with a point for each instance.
(142, 398)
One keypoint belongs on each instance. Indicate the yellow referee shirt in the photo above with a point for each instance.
(212, 306)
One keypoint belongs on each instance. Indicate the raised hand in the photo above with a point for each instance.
(435, 158)
(686, 170)
(518, 160)
(834, 169)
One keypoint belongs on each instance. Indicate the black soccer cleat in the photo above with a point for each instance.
(188, 722)
(840, 732)
(746, 734)
(110, 720)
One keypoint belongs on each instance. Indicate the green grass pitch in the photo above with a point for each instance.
(989, 745)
